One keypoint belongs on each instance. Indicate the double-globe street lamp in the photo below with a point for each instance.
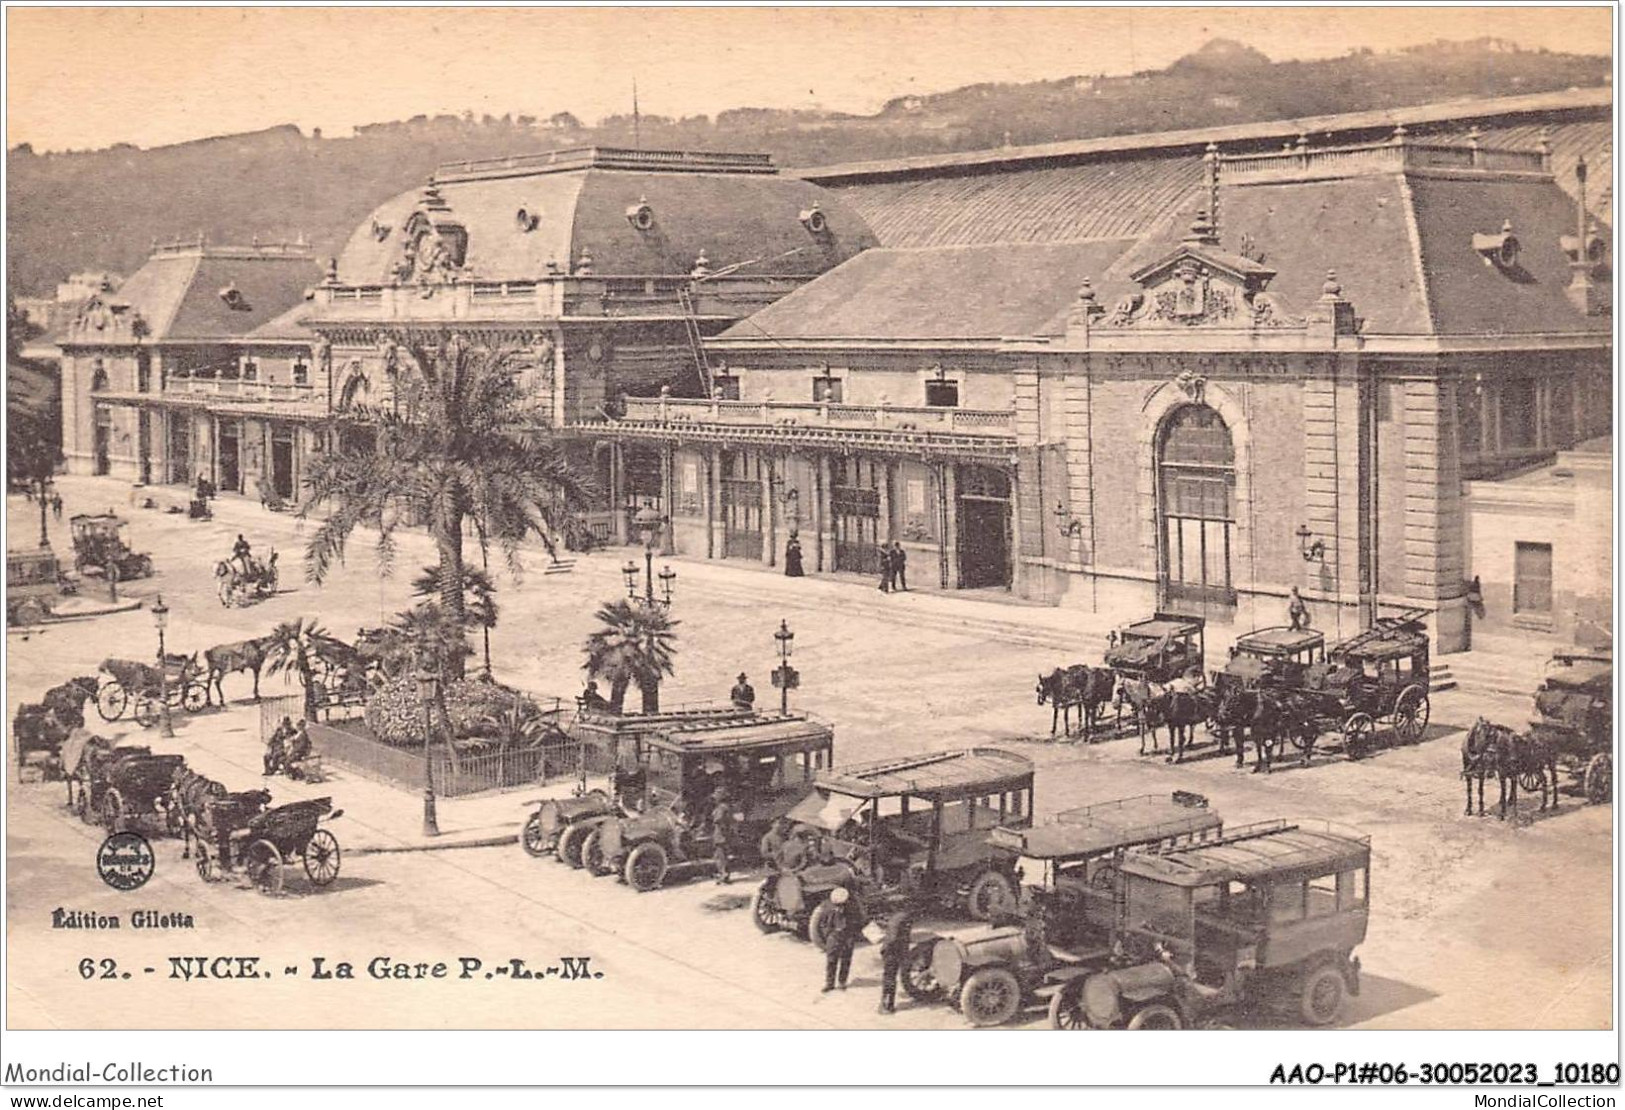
(160, 618)
(428, 684)
(649, 522)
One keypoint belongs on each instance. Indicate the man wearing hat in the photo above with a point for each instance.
(742, 695)
(894, 953)
(843, 937)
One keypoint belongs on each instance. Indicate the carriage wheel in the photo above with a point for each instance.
(1411, 714)
(322, 857)
(1358, 733)
(991, 996)
(112, 810)
(1531, 780)
(1598, 781)
(111, 700)
(646, 866)
(1066, 1007)
(146, 710)
(1304, 736)
(532, 839)
(195, 698)
(263, 865)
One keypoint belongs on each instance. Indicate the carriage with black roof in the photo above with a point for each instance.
(115, 785)
(1158, 649)
(258, 843)
(1574, 716)
(1378, 677)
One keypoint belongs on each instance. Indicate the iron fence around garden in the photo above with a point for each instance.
(471, 768)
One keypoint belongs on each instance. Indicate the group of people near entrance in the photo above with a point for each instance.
(893, 567)
(288, 749)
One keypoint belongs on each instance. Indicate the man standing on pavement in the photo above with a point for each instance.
(743, 695)
(894, 954)
(843, 937)
(899, 566)
(722, 836)
(888, 569)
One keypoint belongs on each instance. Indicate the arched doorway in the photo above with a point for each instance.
(1196, 485)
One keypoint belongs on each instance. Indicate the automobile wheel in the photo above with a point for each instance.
(1321, 997)
(991, 996)
(1156, 1016)
(592, 854)
(1066, 1007)
(1599, 779)
(764, 907)
(918, 982)
(646, 867)
(531, 837)
(991, 894)
(570, 842)
(821, 923)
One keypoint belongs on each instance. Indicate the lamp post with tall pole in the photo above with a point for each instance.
(785, 677)
(428, 682)
(649, 522)
(160, 617)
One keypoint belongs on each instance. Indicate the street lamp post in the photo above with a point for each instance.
(649, 522)
(428, 680)
(160, 617)
(785, 677)
(44, 492)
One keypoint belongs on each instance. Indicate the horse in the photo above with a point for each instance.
(1257, 713)
(223, 812)
(1183, 710)
(1524, 756)
(240, 655)
(1148, 705)
(1092, 687)
(1481, 756)
(67, 700)
(1055, 690)
(189, 795)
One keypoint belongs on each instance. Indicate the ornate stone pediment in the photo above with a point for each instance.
(103, 317)
(432, 244)
(1199, 285)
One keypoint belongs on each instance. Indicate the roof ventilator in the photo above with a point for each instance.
(640, 215)
(814, 220)
(1500, 251)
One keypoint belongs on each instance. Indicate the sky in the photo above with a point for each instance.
(86, 78)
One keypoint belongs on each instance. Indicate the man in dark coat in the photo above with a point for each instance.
(894, 950)
(888, 569)
(275, 747)
(843, 937)
(899, 566)
(743, 695)
(723, 831)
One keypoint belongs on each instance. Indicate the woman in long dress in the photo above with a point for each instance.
(792, 557)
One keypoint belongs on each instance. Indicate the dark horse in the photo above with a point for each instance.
(1078, 687)
(1510, 756)
(1256, 713)
(224, 659)
(189, 795)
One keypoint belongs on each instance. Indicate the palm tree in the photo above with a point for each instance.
(479, 601)
(637, 646)
(296, 647)
(461, 444)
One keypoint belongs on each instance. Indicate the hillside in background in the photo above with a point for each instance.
(103, 209)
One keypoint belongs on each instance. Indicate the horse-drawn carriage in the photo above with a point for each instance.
(100, 546)
(245, 838)
(1574, 717)
(40, 729)
(108, 784)
(126, 684)
(1379, 676)
(1159, 649)
(242, 580)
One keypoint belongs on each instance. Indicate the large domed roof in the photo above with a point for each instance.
(632, 212)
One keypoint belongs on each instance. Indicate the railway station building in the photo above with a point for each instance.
(1187, 371)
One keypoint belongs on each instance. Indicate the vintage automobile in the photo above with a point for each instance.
(100, 547)
(1159, 649)
(914, 828)
(1196, 933)
(560, 826)
(762, 766)
(1069, 869)
(1574, 714)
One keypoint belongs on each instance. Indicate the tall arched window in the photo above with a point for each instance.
(1196, 481)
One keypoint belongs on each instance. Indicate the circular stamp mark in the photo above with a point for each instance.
(125, 861)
